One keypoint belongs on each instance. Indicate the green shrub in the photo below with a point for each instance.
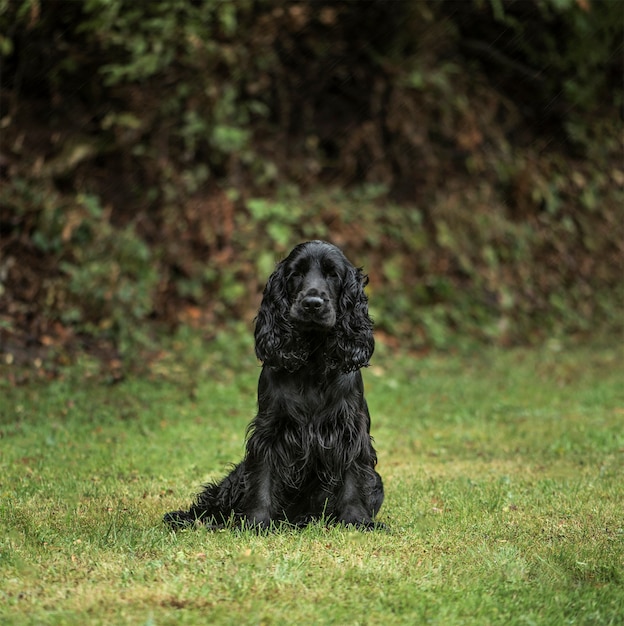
(160, 157)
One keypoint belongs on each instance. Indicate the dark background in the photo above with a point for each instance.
(157, 158)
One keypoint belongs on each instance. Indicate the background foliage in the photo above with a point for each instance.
(157, 158)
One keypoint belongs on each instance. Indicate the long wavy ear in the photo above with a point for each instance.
(272, 328)
(276, 346)
(354, 340)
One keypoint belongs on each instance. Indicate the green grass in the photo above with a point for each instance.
(504, 497)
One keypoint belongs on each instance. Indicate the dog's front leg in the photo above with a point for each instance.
(260, 507)
(351, 507)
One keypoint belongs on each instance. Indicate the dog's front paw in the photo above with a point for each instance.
(258, 521)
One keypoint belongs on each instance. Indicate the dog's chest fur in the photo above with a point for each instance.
(312, 429)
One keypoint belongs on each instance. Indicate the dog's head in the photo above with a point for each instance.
(315, 300)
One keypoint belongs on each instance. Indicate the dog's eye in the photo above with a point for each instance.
(298, 270)
(294, 280)
(331, 271)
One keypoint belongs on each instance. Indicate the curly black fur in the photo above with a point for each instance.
(309, 454)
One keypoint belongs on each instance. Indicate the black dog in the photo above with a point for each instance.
(309, 454)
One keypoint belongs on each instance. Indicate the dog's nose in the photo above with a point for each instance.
(312, 303)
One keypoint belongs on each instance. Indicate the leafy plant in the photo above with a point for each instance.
(111, 280)
(158, 158)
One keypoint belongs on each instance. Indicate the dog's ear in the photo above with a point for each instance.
(275, 345)
(272, 326)
(354, 341)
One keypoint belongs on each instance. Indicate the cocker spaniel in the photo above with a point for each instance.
(309, 454)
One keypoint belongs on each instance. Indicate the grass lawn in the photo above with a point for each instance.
(504, 497)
